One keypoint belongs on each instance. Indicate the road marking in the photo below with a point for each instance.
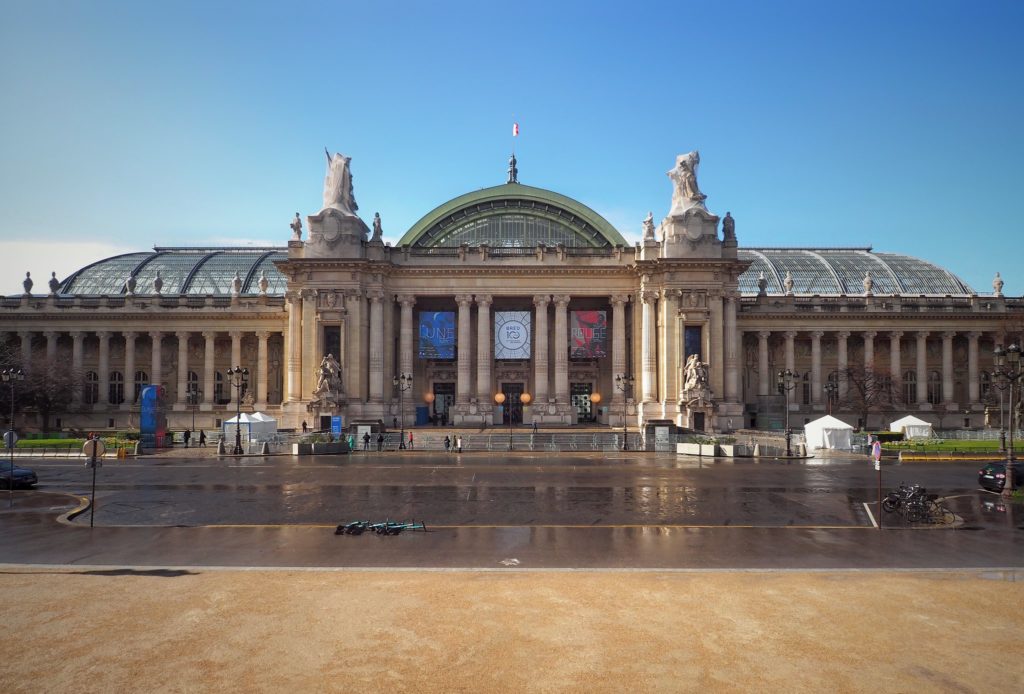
(870, 515)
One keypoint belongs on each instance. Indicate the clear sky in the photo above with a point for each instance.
(891, 124)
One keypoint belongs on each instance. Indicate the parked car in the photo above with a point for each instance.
(993, 476)
(23, 477)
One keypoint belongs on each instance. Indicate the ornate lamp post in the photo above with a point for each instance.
(831, 389)
(1008, 370)
(10, 377)
(403, 383)
(195, 395)
(1001, 385)
(237, 378)
(525, 399)
(624, 382)
(595, 400)
(786, 382)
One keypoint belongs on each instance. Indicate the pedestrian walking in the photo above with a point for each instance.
(366, 441)
(351, 442)
(186, 437)
(305, 427)
(202, 439)
(447, 444)
(535, 426)
(380, 442)
(409, 445)
(394, 422)
(458, 442)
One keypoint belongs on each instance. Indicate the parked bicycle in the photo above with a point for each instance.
(917, 506)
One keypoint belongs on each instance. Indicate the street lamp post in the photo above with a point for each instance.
(10, 377)
(1008, 370)
(501, 399)
(831, 388)
(403, 383)
(624, 382)
(194, 396)
(786, 382)
(237, 378)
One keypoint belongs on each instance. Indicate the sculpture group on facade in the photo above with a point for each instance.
(338, 193)
(686, 193)
(695, 374)
(329, 392)
(296, 226)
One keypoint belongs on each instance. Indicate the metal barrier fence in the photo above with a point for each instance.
(605, 442)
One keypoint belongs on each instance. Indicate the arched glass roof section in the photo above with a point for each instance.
(841, 271)
(192, 271)
(512, 215)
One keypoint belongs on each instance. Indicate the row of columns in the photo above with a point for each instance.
(766, 384)
(103, 366)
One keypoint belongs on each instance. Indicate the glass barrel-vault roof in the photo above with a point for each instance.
(842, 270)
(195, 271)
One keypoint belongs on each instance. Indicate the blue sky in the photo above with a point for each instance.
(890, 124)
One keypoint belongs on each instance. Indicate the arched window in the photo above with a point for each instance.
(934, 387)
(909, 387)
(92, 388)
(141, 379)
(115, 391)
(806, 389)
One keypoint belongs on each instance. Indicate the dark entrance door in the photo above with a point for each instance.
(580, 396)
(698, 421)
(513, 404)
(444, 398)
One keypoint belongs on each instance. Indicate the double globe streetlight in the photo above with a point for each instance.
(786, 381)
(831, 390)
(1007, 372)
(237, 378)
(501, 398)
(403, 383)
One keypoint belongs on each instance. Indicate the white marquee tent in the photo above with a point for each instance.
(828, 432)
(255, 427)
(913, 428)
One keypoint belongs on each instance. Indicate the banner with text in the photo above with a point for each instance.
(512, 334)
(589, 338)
(437, 335)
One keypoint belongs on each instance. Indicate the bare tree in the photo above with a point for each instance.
(869, 392)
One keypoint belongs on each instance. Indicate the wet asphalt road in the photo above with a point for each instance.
(554, 510)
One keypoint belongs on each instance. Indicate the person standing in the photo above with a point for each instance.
(202, 438)
(305, 427)
(186, 437)
(366, 441)
(458, 442)
(380, 442)
(409, 445)
(447, 444)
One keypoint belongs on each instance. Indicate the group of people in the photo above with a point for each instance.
(186, 437)
(449, 442)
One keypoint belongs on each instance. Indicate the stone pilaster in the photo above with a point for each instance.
(262, 368)
(483, 349)
(405, 334)
(376, 298)
(618, 346)
(731, 351)
(648, 354)
(463, 389)
(764, 386)
(562, 349)
(293, 347)
(129, 369)
(311, 355)
(355, 339)
(671, 384)
(922, 368)
(182, 398)
(541, 372)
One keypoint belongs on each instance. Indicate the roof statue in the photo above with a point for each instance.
(997, 285)
(868, 283)
(762, 285)
(158, 283)
(649, 227)
(263, 283)
(236, 284)
(786, 283)
(513, 172)
(130, 284)
(728, 228)
(296, 225)
(338, 185)
(378, 229)
(54, 284)
(27, 283)
(686, 193)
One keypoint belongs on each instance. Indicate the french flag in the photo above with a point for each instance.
(515, 129)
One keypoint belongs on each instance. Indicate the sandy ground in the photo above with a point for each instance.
(461, 631)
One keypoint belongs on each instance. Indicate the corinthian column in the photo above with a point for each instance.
(648, 354)
(405, 334)
(209, 372)
(816, 385)
(869, 350)
(973, 385)
(51, 348)
(842, 360)
(76, 366)
(182, 367)
(463, 350)
(540, 357)
(129, 369)
(236, 360)
(947, 367)
(104, 371)
(26, 351)
(483, 348)
(764, 386)
(261, 369)
(671, 340)
(156, 364)
(922, 367)
(790, 336)
(731, 351)
(895, 369)
(294, 346)
(562, 349)
(376, 298)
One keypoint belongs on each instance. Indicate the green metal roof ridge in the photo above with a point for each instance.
(515, 191)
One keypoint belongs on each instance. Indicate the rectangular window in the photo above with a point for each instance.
(332, 341)
(692, 342)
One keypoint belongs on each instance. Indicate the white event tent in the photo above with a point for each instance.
(255, 427)
(828, 432)
(913, 428)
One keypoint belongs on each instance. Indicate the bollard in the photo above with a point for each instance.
(220, 447)
(757, 450)
(138, 448)
(266, 448)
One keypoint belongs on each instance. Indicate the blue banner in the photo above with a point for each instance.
(152, 417)
(437, 335)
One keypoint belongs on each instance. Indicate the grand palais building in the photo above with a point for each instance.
(522, 292)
